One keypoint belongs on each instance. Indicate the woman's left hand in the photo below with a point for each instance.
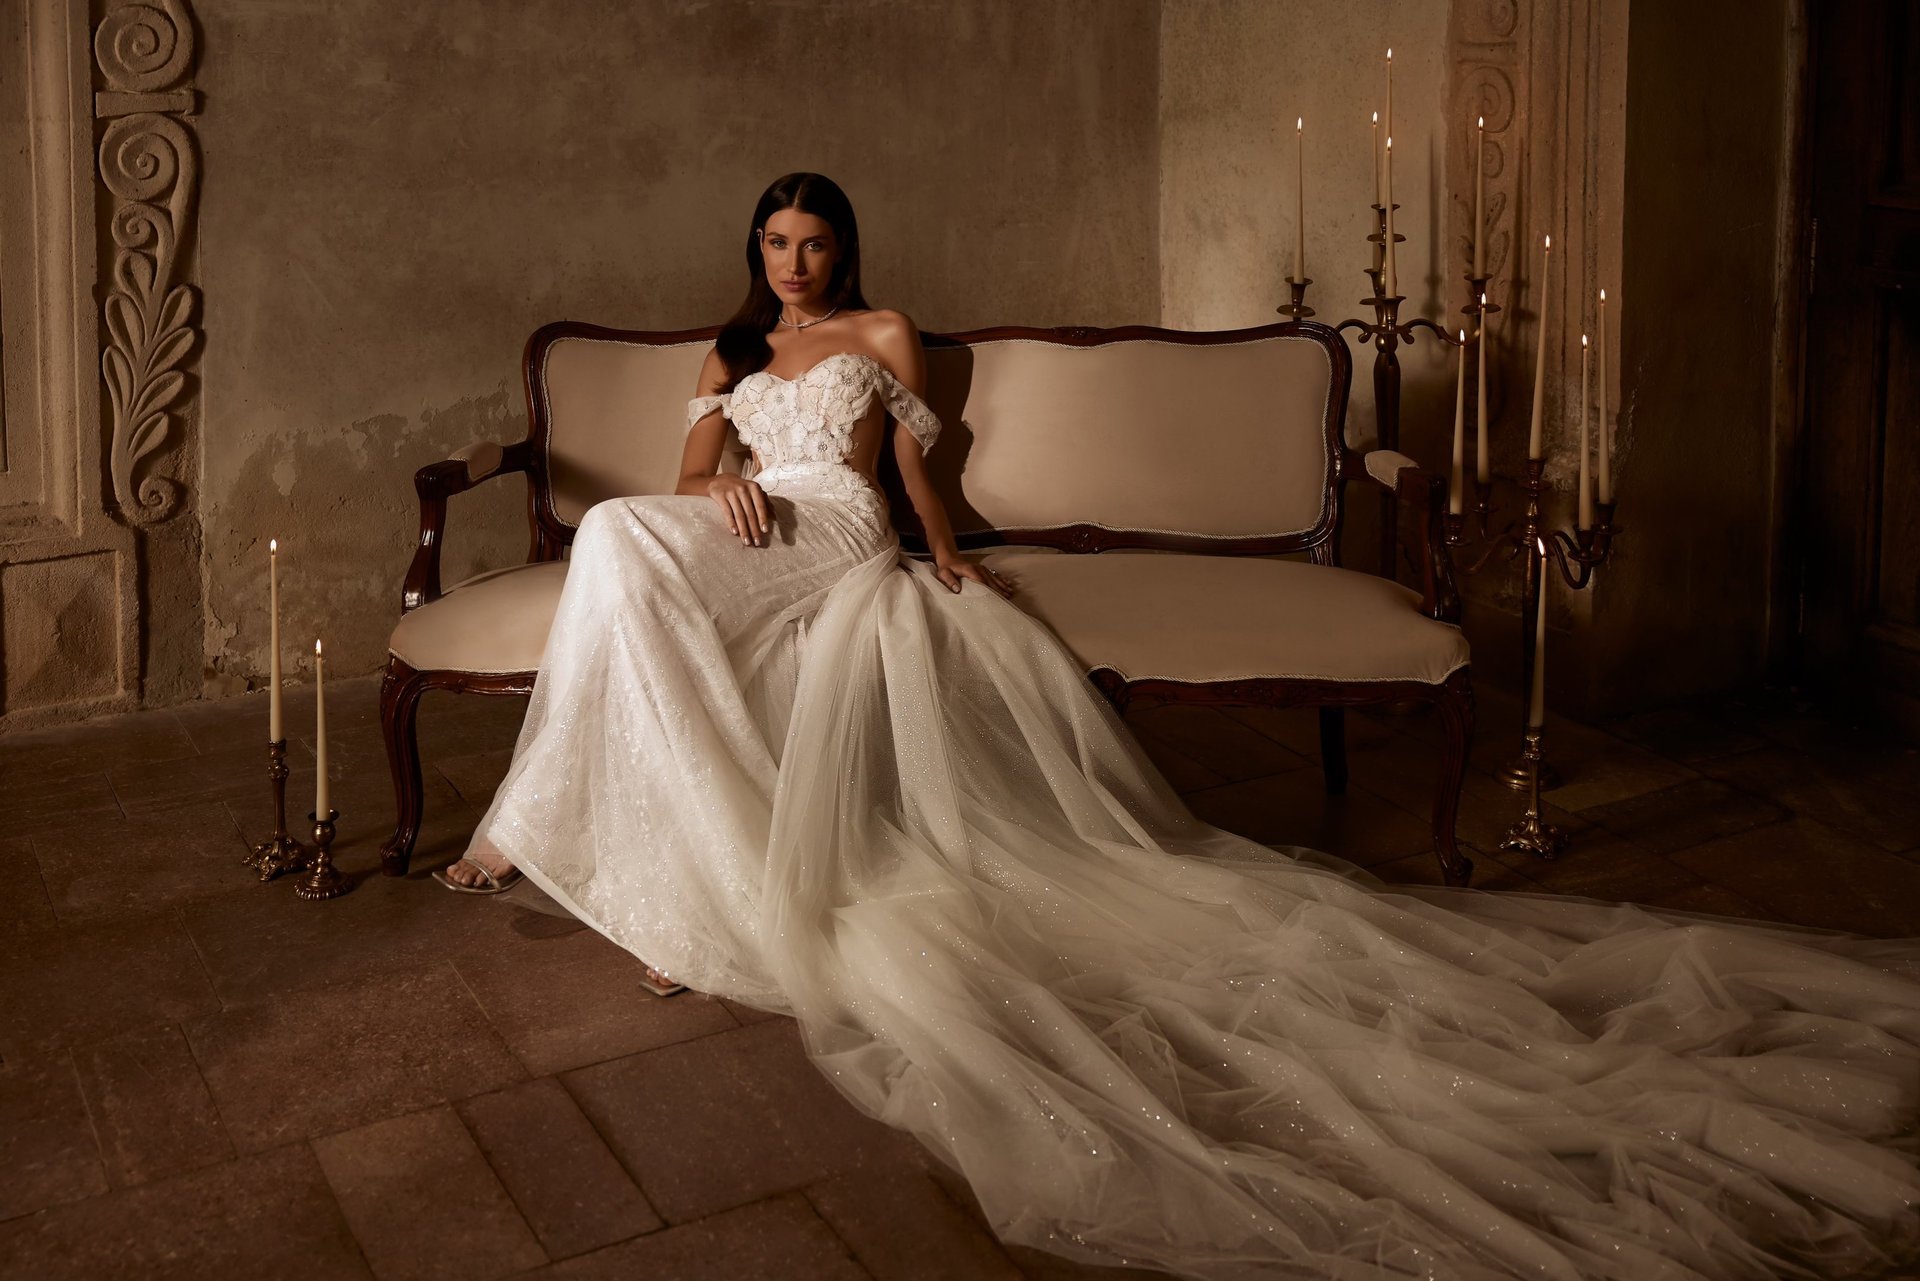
(952, 571)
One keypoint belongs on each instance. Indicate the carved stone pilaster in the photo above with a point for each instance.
(143, 58)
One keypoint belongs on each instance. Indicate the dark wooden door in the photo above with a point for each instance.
(1860, 537)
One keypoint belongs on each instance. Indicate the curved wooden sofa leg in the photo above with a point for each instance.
(1333, 749)
(400, 692)
(1455, 701)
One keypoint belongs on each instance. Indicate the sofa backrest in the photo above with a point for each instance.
(1229, 435)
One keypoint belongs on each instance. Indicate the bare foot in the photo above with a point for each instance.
(659, 978)
(480, 854)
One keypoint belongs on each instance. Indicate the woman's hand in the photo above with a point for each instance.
(744, 504)
(951, 569)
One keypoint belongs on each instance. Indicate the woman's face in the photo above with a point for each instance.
(798, 251)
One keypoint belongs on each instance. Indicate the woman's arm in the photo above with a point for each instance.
(742, 501)
(898, 344)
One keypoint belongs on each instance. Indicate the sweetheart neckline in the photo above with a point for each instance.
(859, 355)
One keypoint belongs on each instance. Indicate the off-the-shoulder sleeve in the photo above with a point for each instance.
(700, 406)
(912, 411)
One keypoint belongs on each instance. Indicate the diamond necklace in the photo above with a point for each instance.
(803, 324)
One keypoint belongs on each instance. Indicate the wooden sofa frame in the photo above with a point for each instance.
(1420, 491)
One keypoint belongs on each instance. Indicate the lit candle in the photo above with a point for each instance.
(1480, 201)
(1373, 163)
(1537, 703)
(275, 732)
(1300, 199)
(1540, 365)
(1606, 426)
(1389, 93)
(1482, 463)
(1393, 269)
(319, 733)
(1586, 478)
(1456, 492)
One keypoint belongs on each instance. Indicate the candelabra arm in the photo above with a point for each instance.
(1421, 322)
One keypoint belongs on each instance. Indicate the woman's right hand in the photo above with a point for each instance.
(744, 504)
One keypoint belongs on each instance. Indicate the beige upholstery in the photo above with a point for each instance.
(1179, 617)
(617, 419)
(1385, 466)
(1046, 434)
(1142, 434)
(491, 623)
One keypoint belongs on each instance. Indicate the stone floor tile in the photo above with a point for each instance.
(148, 791)
(150, 1105)
(1182, 772)
(1298, 728)
(347, 1054)
(263, 940)
(132, 866)
(270, 1215)
(1858, 800)
(1228, 749)
(1684, 814)
(1807, 873)
(240, 720)
(1424, 869)
(98, 978)
(718, 1122)
(1715, 900)
(571, 1189)
(51, 807)
(38, 757)
(562, 995)
(1685, 734)
(423, 1202)
(1038, 1265)
(781, 1239)
(1294, 809)
(24, 905)
(48, 1154)
(902, 1227)
(1598, 864)
(746, 1014)
(1598, 769)
(1406, 770)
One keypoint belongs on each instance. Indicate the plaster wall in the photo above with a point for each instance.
(1234, 76)
(396, 196)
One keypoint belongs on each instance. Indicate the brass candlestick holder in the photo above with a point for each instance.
(279, 852)
(1297, 307)
(1531, 833)
(323, 879)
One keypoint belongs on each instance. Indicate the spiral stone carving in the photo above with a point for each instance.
(148, 163)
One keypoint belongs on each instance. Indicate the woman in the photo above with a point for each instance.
(789, 766)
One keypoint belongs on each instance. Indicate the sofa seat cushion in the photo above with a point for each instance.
(1173, 616)
(491, 623)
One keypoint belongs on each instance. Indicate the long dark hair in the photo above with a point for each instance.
(743, 340)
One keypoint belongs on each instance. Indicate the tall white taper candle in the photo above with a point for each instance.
(1606, 424)
(1480, 199)
(1393, 268)
(319, 733)
(1537, 700)
(1586, 476)
(1457, 485)
(1373, 161)
(1300, 199)
(1540, 364)
(1483, 465)
(275, 730)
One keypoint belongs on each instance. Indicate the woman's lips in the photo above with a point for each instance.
(793, 284)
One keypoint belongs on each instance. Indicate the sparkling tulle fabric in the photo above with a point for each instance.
(809, 777)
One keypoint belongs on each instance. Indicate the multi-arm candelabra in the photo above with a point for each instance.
(1574, 555)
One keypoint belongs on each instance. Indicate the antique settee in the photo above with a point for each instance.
(1218, 457)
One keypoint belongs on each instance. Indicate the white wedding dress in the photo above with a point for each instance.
(809, 777)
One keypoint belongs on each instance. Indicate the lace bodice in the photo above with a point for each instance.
(810, 419)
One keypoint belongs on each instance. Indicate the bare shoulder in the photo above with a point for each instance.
(713, 373)
(895, 339)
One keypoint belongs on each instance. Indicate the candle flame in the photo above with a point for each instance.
(1603, 297)
(1463, 337)
(273, 544)
(1376, 117)
(1583, 340)
(1389, 142)
(1389, 55)
(1481, 123)
(1549, 243)
(316, 649)
(1299, 123)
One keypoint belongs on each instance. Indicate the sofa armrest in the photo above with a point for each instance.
(437, 482)
(1423, 539)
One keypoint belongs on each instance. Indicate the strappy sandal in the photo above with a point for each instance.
(494, 885)
(668, 988)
